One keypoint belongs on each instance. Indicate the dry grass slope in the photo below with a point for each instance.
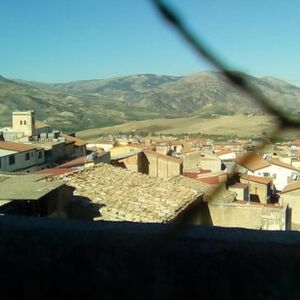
(240, 125)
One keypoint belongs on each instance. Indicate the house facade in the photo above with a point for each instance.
(20, 157)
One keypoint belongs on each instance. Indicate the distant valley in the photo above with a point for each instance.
(106, 102)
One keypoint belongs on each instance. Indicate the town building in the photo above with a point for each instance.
(252, 164)
(123, 195)
(32, 195)
(24, 121)
(20, 157)
(160, 165)
(260, 188)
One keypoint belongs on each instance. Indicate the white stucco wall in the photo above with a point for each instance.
(20, 162)
(282, 175)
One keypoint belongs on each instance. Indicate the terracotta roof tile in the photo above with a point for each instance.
(252, 162)
(79, 161)
(238, 185)
(77, 142)
(295, 185)
(258, 179)
(283, 165)
(19, 147)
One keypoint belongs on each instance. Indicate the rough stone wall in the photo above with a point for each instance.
(55, 259)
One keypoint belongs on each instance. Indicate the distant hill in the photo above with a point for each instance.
(105, 102)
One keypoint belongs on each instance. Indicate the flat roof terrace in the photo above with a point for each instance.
(26, 187)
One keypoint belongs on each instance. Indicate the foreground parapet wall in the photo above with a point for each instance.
(46, 258)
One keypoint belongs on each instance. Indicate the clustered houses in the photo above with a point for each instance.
(263, 194)
(31, 145)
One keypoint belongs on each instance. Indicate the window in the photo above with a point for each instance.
(266, 174)
(274, 175)
(40, 154)
(21, 122)
(11, 159)
(24, 122)
(27, 156)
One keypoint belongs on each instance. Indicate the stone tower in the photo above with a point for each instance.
(23, 121)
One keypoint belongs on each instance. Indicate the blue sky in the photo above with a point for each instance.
(66, 40)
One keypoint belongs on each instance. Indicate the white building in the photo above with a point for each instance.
(20, 157)
(282, 173)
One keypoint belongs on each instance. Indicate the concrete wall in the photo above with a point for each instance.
(58, 152)
(293, 200)
(191, 161)
(79, 151)
(158, 166)
(252, 216)
(211, 164)
(68, 150)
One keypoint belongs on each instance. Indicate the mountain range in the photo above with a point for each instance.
(105, 102)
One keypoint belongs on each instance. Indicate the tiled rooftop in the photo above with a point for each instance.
(131, 196)
(77, 142)
(279, 163)
(252, 162)
(292, 186)
(18, 147)
(258, 179)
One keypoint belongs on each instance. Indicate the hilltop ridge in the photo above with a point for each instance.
(105, 102)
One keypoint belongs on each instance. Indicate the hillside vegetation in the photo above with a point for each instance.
(107, 102)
